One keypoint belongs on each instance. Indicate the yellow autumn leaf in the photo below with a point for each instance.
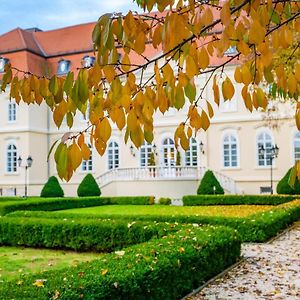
(204, 120)
(125, 63)
(85, 151)
(238, 75)
(297, 72)
(139, 45)
(104, 272)
(210, 109)
(184, 141)
(103, 130)
(100, 146)
(225, 13)
(39, 282)
(203, 59)
(191, 67)
(75, 156)
(247, 98)
(227, 89)
(246, 75)
(181, 250)
(216, 91)
(292, 84)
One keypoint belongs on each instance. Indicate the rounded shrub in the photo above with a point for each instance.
(283, 186)
(88, 187)
(164, 201)
(207, 184)
(52, 188)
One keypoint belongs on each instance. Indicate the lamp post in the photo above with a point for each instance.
(273, 153)
(29, 161)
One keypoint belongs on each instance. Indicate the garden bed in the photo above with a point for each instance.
(165, 268)
(198, 200)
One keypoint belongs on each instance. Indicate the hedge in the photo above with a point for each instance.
(198, 200)
(79, 235)
(51, 204)
(166, 268)
(255, 228)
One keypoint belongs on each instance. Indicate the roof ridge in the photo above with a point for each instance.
(67, 27)
(19, 30)
(38, 44)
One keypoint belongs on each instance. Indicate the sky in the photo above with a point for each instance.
(54, 14)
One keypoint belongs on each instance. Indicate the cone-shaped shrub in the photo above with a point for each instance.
(207, 184)
(283, 186)
(52, 188)
(88, 187)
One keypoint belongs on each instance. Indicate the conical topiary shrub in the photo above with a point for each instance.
(283, 186)
(88, 187)
(52, 188)
(207, 184)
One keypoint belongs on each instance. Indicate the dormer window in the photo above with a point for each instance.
(88, 61)
(231, 51)
(63, 67)
(3, 62)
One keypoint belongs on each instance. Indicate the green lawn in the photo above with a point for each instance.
(16, 261)
(134, 210)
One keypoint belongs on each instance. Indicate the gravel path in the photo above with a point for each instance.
(269, 271)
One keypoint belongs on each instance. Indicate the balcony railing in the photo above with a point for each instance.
(163, 173)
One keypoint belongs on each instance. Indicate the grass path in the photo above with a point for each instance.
(16, 261)
(225, 210)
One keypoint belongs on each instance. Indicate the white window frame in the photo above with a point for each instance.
(267, 162)
(9, 167)
(11, 112)
(193, 160)
(114, 161)
(230, 135)
(296, 138)
(145, 151)
(168, 146)
(87, 166)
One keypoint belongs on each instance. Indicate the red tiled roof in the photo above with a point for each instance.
(66, 40)
(18, 39)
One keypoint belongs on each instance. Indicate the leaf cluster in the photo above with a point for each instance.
(130, 46)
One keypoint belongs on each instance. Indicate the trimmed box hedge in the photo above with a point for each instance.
(50, 204)
(255, 228)
(166, 268)
(80, 235)
(198, 200)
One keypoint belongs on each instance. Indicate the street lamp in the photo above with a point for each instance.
(29, 161)
(273, 153)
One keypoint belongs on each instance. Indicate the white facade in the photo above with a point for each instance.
(230, 148)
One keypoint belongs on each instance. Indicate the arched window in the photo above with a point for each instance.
(113, 155)
(63, 67)
(12, 111)
(11, 158)
(191, 154)
(168, 149)
(145, 153)
(264, 139)
(297, 146)
(87, 165)
(230, 154)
